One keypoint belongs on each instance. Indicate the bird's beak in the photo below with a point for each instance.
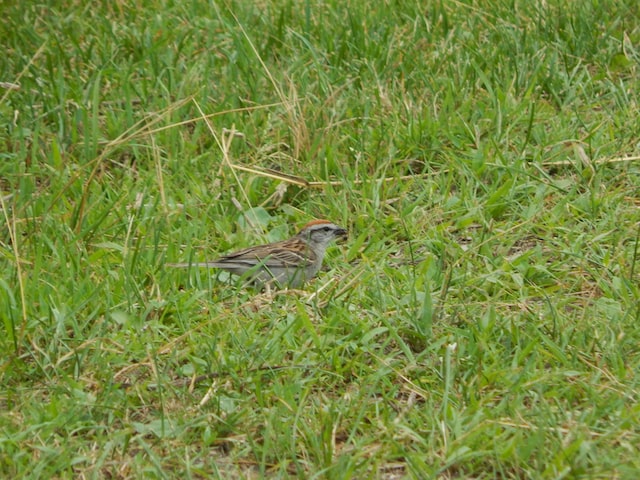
(342, 233)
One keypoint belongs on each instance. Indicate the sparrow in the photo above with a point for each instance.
(288, 263)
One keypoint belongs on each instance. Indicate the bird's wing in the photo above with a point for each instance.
(274, 256)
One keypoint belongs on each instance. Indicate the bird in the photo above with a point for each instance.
(287, 263)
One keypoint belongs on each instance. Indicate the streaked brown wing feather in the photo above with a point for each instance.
(276, 255)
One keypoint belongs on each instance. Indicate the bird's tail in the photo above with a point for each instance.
(193, 264)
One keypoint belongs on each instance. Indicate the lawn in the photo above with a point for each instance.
(482, 320)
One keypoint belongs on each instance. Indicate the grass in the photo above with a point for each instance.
(482, 320)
